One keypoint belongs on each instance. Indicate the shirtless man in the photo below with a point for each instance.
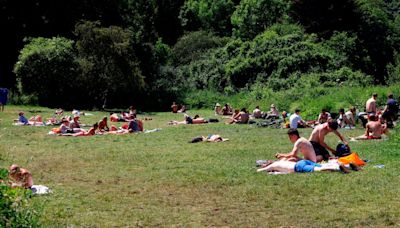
(174, 107)
(303, 166)
(317, 139)
(20, 177)
(209, 138)
(370, 106)
(374, 129)
(301, 145)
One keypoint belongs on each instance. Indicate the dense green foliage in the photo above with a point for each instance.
(149, 53)
(16, 210)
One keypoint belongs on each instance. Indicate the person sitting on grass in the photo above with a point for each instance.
(342, 120)
(373, 129)
(135, 125)
(273, 113)
(304, 166)
(182, 109)
(227, 110)
(257, 113)
(22, 120)
(75, 122)
(174, 107)
(301, 145)
(324, 116)
(103, 126)
(217, 109)
(235, 117)
(20, 177)
(317, 139)
(350, 115)
(296, 121)
(209, 138)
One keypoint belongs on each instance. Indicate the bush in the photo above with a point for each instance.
(46, 68)
(15, 207)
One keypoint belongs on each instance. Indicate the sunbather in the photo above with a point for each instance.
(20, 177)
(90, 132)
(209, 138)
(103, 124)
(301, 145)
(373, 129)
(317, 139)
(302, 166)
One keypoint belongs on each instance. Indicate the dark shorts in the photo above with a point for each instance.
(320, 150)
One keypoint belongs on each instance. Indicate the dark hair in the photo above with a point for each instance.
(243, 110)
(390, 95)
(374, 94)
(333, 125)
(341, 110)
(324, 110)
(257, 106)
(197, 139)
(196, 116)
(96, 125)
(293, 131)
(297, 110)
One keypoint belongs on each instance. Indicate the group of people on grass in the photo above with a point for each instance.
(312, 151)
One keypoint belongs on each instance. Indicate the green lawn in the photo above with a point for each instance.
(159, 179)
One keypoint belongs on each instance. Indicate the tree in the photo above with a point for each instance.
(47, 68)
(209, 15)
(253, 17)
(109, 66)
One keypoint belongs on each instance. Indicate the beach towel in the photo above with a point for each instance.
(40, 190)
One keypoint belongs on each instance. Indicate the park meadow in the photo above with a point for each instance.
(159, 179)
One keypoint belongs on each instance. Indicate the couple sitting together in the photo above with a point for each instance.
(313, 150)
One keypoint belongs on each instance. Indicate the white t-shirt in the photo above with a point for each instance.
(294, 120)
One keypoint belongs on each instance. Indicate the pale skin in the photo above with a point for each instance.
(288, 167)
(319, 133)
(374, 129)
(301, 145)
(370, 106)
(20, 177)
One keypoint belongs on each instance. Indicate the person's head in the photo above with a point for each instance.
(374, 95)
(217, 105)
(196, 116)
(293, 135)
(372, 117)
(273, 106)
(76, 118)
(341, 111)
(323, 110)
(257, 107)
(390, 95)
(105, 118)
(297, 111)
(352, 109)
(284, 114)
(95, 126)
(174, 103)
(14, 168)
(132, 116)
(333, 125)
(243, 110)
(237, 111)
(64, 121)
(21, 113)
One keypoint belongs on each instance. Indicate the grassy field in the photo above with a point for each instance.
(159, 179)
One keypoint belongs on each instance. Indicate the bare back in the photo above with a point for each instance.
(305, 147)
(370, 106)
(374, 128)
(319, 132)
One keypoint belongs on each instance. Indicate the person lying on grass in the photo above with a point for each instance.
(304, 166)
(209, 138)
(301, 145)
(189, 120)
(317, 139)
(92, 131)
(373, 129)
(34, 120)
(20, 177)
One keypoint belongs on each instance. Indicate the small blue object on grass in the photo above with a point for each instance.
(380, 166)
